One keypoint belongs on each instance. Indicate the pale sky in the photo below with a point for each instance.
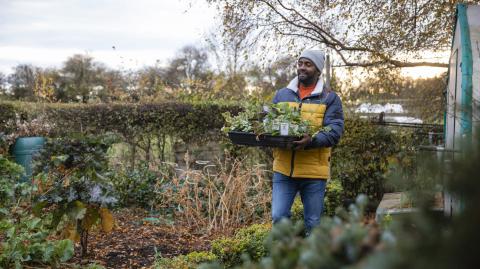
(46, 32)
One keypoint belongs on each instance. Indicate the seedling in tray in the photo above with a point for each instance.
(277, 126)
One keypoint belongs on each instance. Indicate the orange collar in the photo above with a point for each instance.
(305, 91)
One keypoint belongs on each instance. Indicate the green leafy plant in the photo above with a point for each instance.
(244, 121)
(25, 237)
(72, 182)
(283, 113)
(246, 241)
(139, 187)
(26, 242)
(333, 197)
(269, 121)
(10, 174)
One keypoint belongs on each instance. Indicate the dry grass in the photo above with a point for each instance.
(222, 196)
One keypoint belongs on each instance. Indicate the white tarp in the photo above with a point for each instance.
(377, 108)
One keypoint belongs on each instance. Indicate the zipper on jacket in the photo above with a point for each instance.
(292, 163)
(297, 98)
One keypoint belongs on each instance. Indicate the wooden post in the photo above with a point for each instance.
(327, 71)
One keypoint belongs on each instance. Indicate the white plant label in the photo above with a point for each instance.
(284, 128)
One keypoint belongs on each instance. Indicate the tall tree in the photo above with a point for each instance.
(190, 65)
(80, 77)
(23, 81)
(113, 86)
(271, 77)
(231, 56)
(361, 33)
(46, 84)
(3, 83)
(151, 81)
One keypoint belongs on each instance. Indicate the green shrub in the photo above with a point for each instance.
(10, 174)
(360, 160)
(25, 236)
(333, 197)
(137, 187)
(7, 112)
(72, 181)
(189, 261)
(336, 243)
(246, 241)
(228, 250)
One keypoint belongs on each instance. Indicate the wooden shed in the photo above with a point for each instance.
(462, 113)
(463, 90)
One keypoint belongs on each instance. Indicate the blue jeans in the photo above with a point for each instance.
(312, 192)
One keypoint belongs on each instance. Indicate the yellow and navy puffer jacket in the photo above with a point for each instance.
(322, 108)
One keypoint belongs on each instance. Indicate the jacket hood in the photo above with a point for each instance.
(293, 85)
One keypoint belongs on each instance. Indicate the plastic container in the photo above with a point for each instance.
(23, 151)
(263, 140)
(242, 138)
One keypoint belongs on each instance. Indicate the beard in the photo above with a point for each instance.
(306, 79)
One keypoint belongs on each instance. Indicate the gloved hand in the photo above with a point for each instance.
(302, 143)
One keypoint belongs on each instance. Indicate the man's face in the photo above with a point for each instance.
(306, 71)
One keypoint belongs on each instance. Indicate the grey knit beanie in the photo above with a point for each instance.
(316, 56)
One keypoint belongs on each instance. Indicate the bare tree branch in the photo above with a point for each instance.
(362, 33)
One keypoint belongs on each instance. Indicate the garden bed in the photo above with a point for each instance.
(133, 241)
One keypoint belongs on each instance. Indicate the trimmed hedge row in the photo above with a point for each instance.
(187, 121)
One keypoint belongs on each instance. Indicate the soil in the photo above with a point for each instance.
(134, 243)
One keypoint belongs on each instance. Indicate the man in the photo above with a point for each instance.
(306, 168)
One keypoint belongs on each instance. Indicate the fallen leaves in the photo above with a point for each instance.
(107, 219)
(134, 242)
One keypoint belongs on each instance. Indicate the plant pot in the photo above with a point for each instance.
(23, 151)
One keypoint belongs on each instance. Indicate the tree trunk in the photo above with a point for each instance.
(133, 152)
(148, 149)
(83, 240)
(161, 147)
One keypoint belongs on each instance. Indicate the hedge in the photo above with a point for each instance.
(187, 121)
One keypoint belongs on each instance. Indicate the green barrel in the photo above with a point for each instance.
(23, 151)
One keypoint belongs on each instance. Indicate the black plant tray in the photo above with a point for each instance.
(262, 140)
